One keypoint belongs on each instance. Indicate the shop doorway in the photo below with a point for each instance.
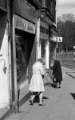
(24, 47)
(43, 51)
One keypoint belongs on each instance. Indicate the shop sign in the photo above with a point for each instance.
(56, 39)
(59, 39)
(25, 25)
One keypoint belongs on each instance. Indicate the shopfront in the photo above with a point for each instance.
(24, 34)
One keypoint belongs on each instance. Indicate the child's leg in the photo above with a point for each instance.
(40, 98)
(32, 98)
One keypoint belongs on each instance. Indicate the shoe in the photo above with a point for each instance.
(40, 104)
(59, 87)
(31, 102)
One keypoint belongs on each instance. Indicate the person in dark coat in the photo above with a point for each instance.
(57, 73)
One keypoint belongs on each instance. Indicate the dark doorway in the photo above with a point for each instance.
(24, 45)
(43, 43)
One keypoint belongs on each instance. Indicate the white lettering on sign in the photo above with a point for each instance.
(56, 39)
(23, 24)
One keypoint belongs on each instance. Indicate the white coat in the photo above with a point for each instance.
(36, 83)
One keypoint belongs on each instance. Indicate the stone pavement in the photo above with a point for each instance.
(71, 74)
(24, 95)
(4, 112)
(59, 103)
(68, 71)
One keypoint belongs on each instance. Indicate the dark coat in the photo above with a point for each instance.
(57, 72)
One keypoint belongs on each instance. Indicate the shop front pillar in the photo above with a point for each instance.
(14, 66)
(38, 43)
(47, 54)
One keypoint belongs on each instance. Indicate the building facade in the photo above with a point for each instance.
(26, 27)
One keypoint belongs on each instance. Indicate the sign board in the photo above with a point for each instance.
(59, 39)
(56, 39)
(73, 47)
(23, 24)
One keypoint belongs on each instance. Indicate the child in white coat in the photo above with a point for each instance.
(36, 83)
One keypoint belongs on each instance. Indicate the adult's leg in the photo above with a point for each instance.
(55, 82)
(59, 84)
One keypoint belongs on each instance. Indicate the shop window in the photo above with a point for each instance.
(24, 46)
